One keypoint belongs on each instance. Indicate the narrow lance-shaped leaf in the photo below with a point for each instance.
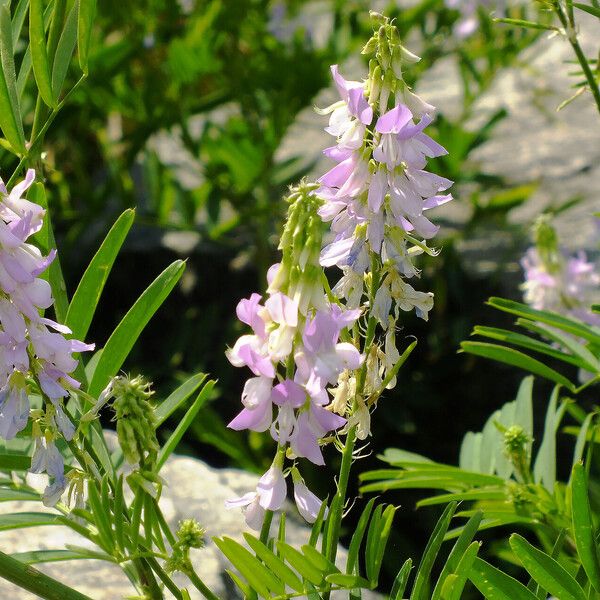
(86, 14)
(39, 52)
(85, 300)
(129, 329)
(11, 122)
(515, 358)
(546, 571)
(64, 52)
(496, 585)
(583, 527)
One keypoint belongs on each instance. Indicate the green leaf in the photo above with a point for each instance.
(87, 13)
(348, 581)
(477, 495)
(165, 409)
(524, 341)
(515, 358)
(544, 470)
(64, 52)
(299, 563)
(255, 573)
(32, 580)
(10, 494)
(568, 324)
(277, 566)
(457, 552)
(455, 583)
(14, 462)
(18, 20)
(379, 539)
(123, 338)
(496, 585)
(526, 24)
(46, 241)
(546, 571)
(189, 416)
(401, 580)
(592, 10)
(39, 52)
(582, 437)
(583, 527)
(586, 359)
(86, 297)
(320, 561)
(357, 537)
(26, 519)
(46, 556)
(431, 551)
(101, 517)
(11, 122)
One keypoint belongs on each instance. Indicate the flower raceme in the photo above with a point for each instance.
(33, 348)
(317, 364)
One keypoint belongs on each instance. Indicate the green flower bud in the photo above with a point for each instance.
(546, 241)
(190, 534)
(136, 422)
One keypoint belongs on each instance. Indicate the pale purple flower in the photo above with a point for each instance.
(14, 407)
(258, 411)
(47, 459)
(308, 503)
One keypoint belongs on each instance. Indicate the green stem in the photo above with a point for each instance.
(340, 496)
(32, 580)
(199, 584)
(569, 27)
(266, 526)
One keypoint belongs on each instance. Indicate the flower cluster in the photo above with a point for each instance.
(33, 348)
(377, 195)
(558, 281)
(295, 353)
(318, 367)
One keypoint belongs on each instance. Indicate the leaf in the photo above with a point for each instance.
(86, 14)
(401, 580)
(515, 358)
(582, 437)
(11, 494)
(592, 10)
(14, 462)
(39, 52)
(379, 538)
(526, 24)
(277, 566)
(348, 581)
(255, 573)
(86, 297)
(101, 517)
(64, 52)
(544, 470)
(46, 556)
(10, 111)
(183, 425)
(455, 583)
(18, 19)
(583, 527)
(357, 537)
(165, 409)
(545, 570)
(496, 585)
(123, 338)
(26, 519)
(299, 562)
(431, 551)
(457, 552)
(524, 341)
(586, 359)
(32, 580)
(477, 495)
(568, 324)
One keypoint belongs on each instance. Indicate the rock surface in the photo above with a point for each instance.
(193, 490)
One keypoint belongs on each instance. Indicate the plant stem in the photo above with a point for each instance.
(266, 527)
(199, 584)
(32, 580)
(569, 27)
